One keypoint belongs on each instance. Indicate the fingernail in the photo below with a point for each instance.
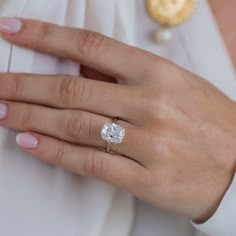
(3, 111)
(10, 25)
(27, 141)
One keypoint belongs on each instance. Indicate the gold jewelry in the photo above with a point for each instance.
(169, 13)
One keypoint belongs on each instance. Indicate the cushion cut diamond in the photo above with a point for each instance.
(113, 133)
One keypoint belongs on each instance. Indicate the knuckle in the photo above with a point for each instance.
(16, 86)
(58, 157)
(88, 42)
(71, 90)
(66, 91)
(160, 143)
(148, 103)
(81, 93)
(153, 104)
(76, 127)
(27, 118)
(93, 166)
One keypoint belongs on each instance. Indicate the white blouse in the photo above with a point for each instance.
(42, 200)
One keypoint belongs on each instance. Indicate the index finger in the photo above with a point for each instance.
(92, 49)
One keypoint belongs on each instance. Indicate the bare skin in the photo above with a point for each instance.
(224, 12)
(179, 149)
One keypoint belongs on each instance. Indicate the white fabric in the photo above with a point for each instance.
(219, 223)
(38, 199)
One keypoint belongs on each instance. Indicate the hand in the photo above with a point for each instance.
(179, 149)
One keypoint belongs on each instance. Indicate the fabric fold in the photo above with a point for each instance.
(39, 199)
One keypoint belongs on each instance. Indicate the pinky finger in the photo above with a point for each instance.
(118, 170)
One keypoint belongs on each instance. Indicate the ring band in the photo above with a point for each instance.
(112, 133)
(114, 120)
(108, 147)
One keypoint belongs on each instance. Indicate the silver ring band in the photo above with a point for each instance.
(114, 120)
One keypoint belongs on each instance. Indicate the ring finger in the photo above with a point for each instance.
(74, 126)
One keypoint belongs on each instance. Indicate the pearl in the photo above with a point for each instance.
(163, 35)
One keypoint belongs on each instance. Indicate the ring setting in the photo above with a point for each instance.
(112, 133)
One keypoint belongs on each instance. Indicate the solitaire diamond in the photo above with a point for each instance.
(113, 133)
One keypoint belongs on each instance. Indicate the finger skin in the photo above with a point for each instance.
(91, 49)
(86, 161)
(74, 126)
(70, 92)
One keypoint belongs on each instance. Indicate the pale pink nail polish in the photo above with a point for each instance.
(10, 25)
(3, 111)
(27, 141)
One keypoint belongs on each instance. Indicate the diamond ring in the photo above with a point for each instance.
(112, 133)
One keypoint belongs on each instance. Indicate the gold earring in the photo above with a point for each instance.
(169, 13)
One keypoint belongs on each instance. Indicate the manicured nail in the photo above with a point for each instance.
(27, 141)
(3, 111)
(10, 25)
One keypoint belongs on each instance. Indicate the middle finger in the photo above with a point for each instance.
(71, 92)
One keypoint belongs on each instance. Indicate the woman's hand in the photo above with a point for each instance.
(179, 150)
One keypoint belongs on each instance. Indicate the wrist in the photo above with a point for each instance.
(222, 222)
(222, 146)
(216, 200)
